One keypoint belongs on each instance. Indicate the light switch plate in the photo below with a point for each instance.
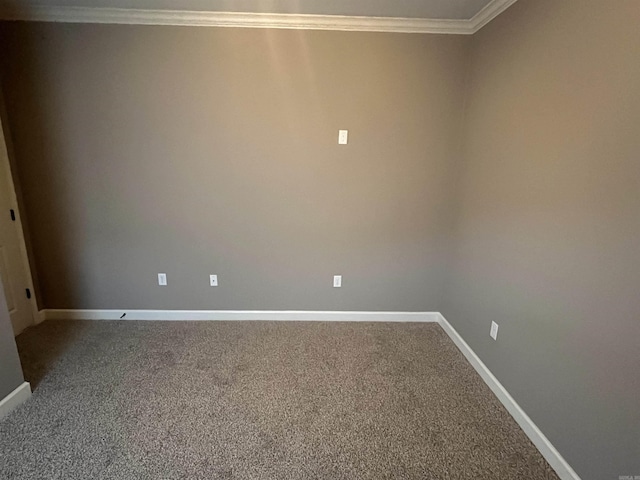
(494, 330)
(213, 280)
(162, 279)
(337, 281)
(343, 137)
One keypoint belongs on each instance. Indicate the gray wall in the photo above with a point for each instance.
(192, 151)
(549, 222)
(10, 369)
(196, 151)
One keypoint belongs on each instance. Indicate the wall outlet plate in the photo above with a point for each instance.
(213, 280)
(494, 330)
(337, 281)
(343, 137)
(162, 279)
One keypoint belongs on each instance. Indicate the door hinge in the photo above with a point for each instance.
(28, 293)
(13, 215)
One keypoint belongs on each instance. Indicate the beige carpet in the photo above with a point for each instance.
(257, 400)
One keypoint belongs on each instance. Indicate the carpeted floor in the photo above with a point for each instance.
(257, 400)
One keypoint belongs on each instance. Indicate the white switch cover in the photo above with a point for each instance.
(343, 137)
(162, 279)
(494, 330)
(213, 280)
(337, 281)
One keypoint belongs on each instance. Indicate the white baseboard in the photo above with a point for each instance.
(542, 443)
(39, 317)
(238, 315)
(15, 399)
(548, 451)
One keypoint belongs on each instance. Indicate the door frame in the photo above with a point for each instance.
(5, 164)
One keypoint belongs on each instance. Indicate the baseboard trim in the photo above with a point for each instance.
(15, 399)
(39, 317)
(240, 315)
(542, 443)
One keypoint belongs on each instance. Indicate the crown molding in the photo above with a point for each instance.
(236, 19)
(488, 13)
(66, 14)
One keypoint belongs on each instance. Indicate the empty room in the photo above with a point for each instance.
(304, 239)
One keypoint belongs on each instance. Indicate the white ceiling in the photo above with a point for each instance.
(407, 16)
(432, 9)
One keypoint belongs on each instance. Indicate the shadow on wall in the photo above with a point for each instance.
(16, 184)
(45, 150)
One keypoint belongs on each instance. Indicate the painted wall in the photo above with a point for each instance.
(214, 151)
(548, 229)
(10, 368)
(193, 151)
